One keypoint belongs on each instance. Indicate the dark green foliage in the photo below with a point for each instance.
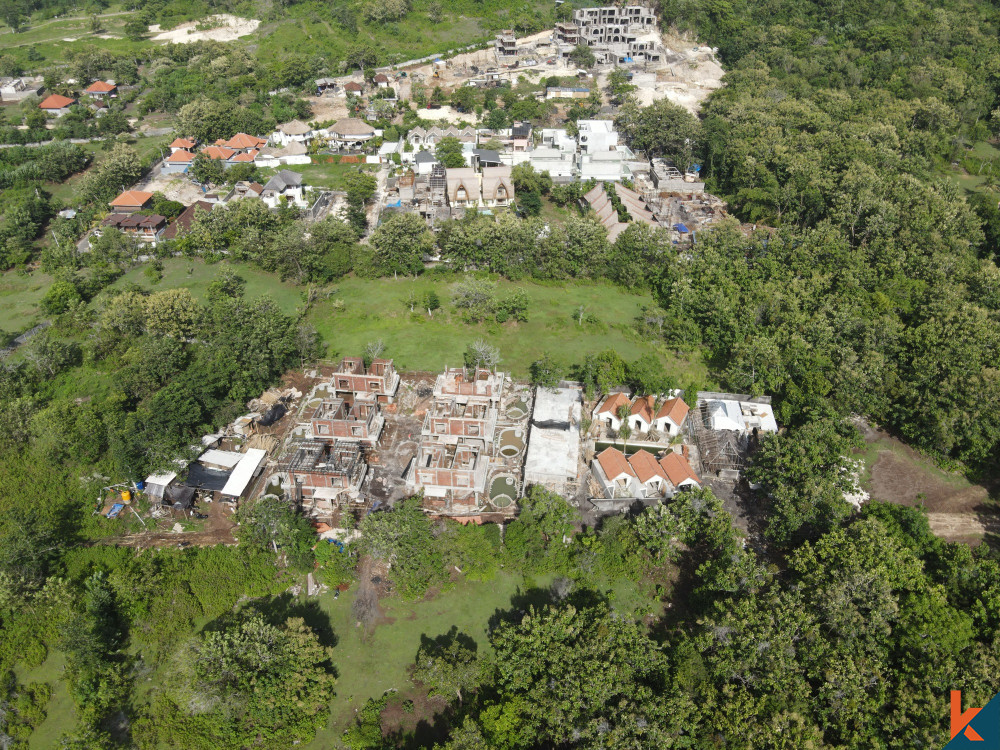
(804, 475)
(271, 524)
(405, 538)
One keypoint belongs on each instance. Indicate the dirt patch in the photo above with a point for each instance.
(227, 28)
(899, 479)
(410, 710)
(956, 510)
(176, 187)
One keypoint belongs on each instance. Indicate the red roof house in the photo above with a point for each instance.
(100, 89)
(56, 104)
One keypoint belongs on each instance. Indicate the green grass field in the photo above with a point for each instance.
(323, 174)
(374, 309)
(61, 715)
(19, 297)
(368, 666)
(196, 275)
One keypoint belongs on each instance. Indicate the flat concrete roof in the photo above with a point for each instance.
(554, 439)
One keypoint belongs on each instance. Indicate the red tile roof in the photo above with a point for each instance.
(242, 140)
(612, 402)
(381, 78)
(677, 469)
(352, 86)
(55, 101)
(644, 465)
(643, 407)
(100, 87)
(132, 198)
(249, 156)
(675, 410)
(218, 152)
(182, 157)
(185, 143)
(614, 463)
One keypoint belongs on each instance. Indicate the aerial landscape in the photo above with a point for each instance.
(474, 374)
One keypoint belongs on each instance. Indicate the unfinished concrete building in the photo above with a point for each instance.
(448, 421)
(341, 419)
(379, 379)
(453, 473)
(484, 387)
(616, 35)
(505, 43)
(324, 476)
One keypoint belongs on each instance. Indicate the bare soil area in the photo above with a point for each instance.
(957, 510)
(227, 28)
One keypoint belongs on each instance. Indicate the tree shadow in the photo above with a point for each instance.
(276, 611)
(443, 644)
(537, 598)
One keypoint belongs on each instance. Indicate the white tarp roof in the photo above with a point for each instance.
(244, 472)
(161, 480)
(726, 415)
(226, 459)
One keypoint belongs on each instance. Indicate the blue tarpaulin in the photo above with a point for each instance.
(397, 204)
(681, 228)
(115, 510)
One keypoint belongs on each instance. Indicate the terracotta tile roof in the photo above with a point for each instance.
(132, 198)
(643, 407)
(181, 157)
(352, 86)
(249, 156)
(677, 469)
(614, 463)
(242, 140)
(185, 143)
(612, 402)
(100, 87)
(55, 101)
(644, 465)
(218, 152)
(675, 410)
(381, 78)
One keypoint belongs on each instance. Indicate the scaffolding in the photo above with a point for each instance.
(720, 450)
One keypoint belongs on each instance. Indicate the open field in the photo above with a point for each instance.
(957, 509)
(368, 665)
(377, 309)
(19, 297)
(194, 274)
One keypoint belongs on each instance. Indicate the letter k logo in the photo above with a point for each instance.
(960, 721)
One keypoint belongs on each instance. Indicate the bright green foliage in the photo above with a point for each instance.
(449, 151)
(270, 523)
(248, 682)
(447, 665)
(576, 674)
(404, 538)
(804, 474)
(399, 244)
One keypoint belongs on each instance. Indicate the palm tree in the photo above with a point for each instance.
(624, 432)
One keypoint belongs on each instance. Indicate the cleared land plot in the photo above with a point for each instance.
(378, 309)
(957, 509)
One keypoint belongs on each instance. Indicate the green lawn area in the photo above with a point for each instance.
(19, 296)
(196, 275)
(367, 667)
(61, 716)
(322, 173)
(374, 309)
(977, 163)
